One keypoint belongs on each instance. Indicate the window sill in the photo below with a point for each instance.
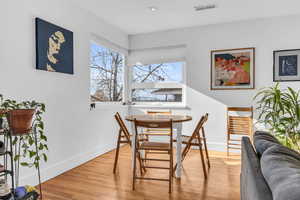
(108, 105)
(184, 107)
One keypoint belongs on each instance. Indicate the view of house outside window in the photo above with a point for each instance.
(158, 82)
(106, 74)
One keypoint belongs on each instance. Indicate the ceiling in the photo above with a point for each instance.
(134, 16)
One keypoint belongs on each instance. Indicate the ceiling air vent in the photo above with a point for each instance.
(205, 7)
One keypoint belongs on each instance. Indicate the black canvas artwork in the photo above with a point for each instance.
(54, 48)
(288, 65)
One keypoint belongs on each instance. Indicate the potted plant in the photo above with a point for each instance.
(26, 125)
(279, 111)
(22, 118)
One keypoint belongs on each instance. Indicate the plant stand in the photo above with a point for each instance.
(17, 163)
(38, 166)
(6, 153)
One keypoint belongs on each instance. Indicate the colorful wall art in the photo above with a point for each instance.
(232, 69)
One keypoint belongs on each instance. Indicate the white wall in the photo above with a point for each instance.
(266, 35)
(75, 133)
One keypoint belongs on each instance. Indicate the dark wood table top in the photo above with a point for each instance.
(155, 118)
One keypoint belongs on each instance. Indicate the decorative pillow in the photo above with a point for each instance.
(262, 141)
(281, 169)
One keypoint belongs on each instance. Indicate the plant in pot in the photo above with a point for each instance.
(279, 111)
(26, 125)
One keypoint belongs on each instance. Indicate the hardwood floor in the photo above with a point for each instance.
(95, 180)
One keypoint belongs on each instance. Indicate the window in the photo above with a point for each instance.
(106, 74)
(158, 83)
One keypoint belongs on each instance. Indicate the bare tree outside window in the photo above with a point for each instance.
(107, 74)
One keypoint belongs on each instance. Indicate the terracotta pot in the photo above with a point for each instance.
(20, 121)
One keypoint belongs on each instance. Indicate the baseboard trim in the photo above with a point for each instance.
(63, 166)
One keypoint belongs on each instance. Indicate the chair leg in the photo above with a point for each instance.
(134, 170)
(117, 152)
(171, 171)
(205, 147)
(142, 168)
(228, 145)
(202, 157)
(146, 153)
(206, 152)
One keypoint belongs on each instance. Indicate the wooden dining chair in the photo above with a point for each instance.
(124, 137)
(149, 132)
(238, 125)
(157, 131)
(156, 146)
(197, 139)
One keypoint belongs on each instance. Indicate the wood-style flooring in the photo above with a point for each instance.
(95, 180)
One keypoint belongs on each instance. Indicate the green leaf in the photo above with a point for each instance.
(30, 141)
(45, 157)
(32, 153)
(24, 164)
(36, 165)
(16, 157)
(41, 125)
(43, 137)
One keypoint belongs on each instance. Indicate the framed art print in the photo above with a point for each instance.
(54, 47)
(286, 66)
(232, 69)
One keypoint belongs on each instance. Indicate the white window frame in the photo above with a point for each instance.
(159, 85)
(124, 53)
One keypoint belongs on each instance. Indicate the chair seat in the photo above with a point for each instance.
(159, 146)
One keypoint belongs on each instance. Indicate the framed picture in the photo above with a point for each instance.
(232, 69)
(54, 47)
(286, 66)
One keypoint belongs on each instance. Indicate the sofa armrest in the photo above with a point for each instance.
(253, 185)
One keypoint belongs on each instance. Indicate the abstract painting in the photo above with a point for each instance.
(286, 65)
(54, 47)
(232, 69)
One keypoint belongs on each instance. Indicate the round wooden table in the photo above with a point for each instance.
(177, 120)
(155, 118)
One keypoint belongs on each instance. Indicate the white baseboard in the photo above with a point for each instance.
(63, 166)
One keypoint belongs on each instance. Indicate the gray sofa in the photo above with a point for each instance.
(269, 170)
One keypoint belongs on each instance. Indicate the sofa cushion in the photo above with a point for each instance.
(262, 141)
(281, 168)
